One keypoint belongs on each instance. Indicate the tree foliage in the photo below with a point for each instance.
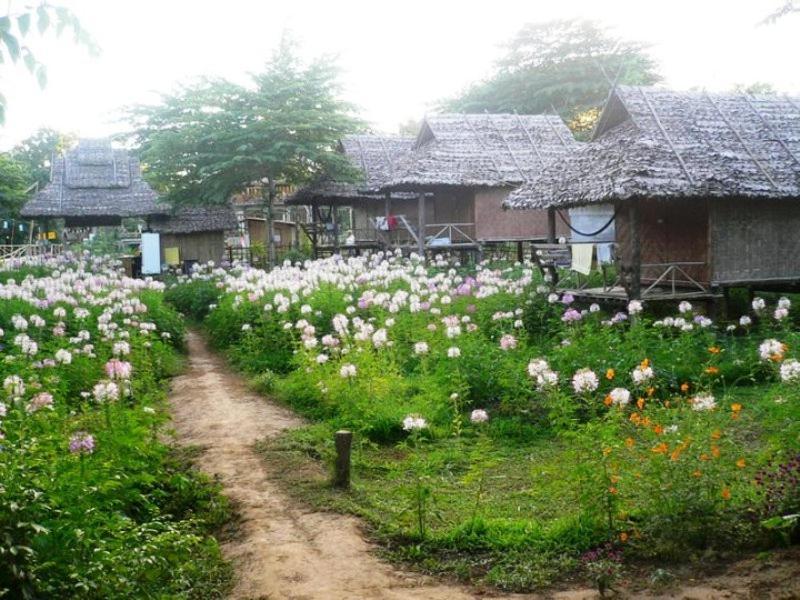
(35, 153)
(14, 185)
(562, 65)
(210, 140)
(16, 29)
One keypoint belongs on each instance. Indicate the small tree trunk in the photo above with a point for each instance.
(269, 199)
(341, 474)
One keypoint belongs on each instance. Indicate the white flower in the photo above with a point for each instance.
(620, 396)
(546, 380)
(685, 307)
(414, 422)
(479, 416)
(421, 348)
(634, 307)
(703, 402)
(322, 359)
(453, 352)
(593, 308)
(584, 380)
(790, 370)
(771, 349)
(347, 370)
(63, 356)
(758, 304)
(105, 391)
(642, 374)
(246, 327)
(745, 321)
(784, 302)
(537, 366)
(780, 313)
(14, 386)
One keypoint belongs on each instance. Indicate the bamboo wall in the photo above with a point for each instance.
(202, 247)
(755, 241)
(494, 223)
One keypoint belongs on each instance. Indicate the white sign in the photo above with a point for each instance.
(151, 254)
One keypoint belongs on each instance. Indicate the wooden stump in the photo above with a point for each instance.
(341, 472)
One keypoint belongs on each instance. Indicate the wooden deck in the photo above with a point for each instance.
(618, 294)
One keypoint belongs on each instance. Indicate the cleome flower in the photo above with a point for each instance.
(585, 380)
(414, 423)
(790, 371)
(703, 402)
(771, 350)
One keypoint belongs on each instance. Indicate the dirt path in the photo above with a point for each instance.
(283, 552)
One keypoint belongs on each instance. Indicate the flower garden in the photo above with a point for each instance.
(507, 434)
(94, 503)
(503, 433)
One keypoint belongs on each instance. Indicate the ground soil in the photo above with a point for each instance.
(288, 552)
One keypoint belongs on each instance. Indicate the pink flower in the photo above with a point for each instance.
(508, 342)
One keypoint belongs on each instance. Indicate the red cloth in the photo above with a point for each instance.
(391, 222)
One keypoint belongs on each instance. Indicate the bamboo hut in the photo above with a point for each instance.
(194, 234)
(701, 186)
(470, 163)
(376, 217)
(94, 184)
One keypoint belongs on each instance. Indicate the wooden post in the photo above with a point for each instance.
(341, 473)
(421, 225)
(635, 285)
(314, 232)
(335, 224)
(551, 225)
(520, 253)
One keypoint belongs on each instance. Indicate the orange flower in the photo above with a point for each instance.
(741, 463)
(612, 490)
(696, 473)
(645, 363)
(736, 408)
(640, 403)
(610, 373)
(715, 451)
(658, 430)
(635, 418)
(606, 451)
(684, 387)
(716, 434)
(712, 370)
(676, 454)
(650, 391)
(714, 350)
(704, 456)
(629, 442)
(623, 537)
(726, 494)
(614, 478)
(662, 448)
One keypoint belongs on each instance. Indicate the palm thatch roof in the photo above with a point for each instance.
(375, 156)
(94, 183)
(197, 219)
(656, 143)
(483, 150)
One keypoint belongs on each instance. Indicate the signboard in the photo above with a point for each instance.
(151, 254)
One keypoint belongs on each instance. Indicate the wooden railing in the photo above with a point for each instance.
(11, 251)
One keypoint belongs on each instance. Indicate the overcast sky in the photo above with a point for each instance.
(397, 57)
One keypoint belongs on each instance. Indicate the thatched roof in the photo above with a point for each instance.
(483, 150)
(657, 143)
(94, 184)
(197, 219)
(375, 156)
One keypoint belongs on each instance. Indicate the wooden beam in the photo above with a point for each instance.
(635, 284)
(551, 225)
(421, 225)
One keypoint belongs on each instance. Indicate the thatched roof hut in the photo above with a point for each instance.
(701, 184)
(196, 219)
(375, 156)
(94, 184)
(655, 143)
(482, 150)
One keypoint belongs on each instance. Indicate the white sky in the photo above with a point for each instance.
(397, 57)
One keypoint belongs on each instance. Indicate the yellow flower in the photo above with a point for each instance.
(623, 537)
(726, 494)
(712, 370)
(629, 442)
(684, 387)
(640, 403)
(610, 373)
(714, 350)
(741, 463)
(662, 448)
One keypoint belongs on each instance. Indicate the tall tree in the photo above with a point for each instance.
(14, 185)
(562, 65)
(15, 31)
(211, 140)
(36, 152)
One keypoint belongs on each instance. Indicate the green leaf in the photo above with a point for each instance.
(29, 59)
(43, 18)
(41, 75)
(12, 44)
(5, 24)
(24, 23)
